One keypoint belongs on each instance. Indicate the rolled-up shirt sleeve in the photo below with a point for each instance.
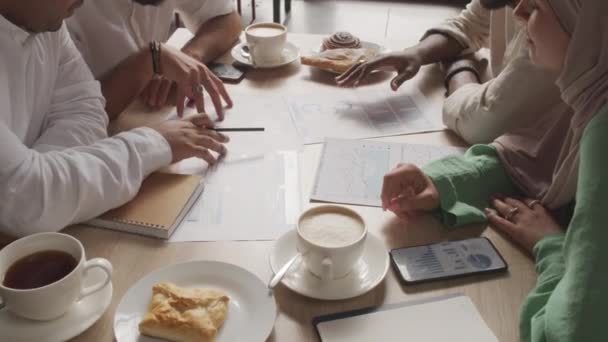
(198, 12)
(480, 113)
(471, 28)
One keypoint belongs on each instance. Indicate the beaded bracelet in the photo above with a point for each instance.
(155, 52)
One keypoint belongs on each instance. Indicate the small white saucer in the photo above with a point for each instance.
(79, 318)
(369, 271)
(290, 54)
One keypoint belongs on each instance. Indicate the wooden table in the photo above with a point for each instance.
(498, 298)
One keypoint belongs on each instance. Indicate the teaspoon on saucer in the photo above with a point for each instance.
(282, 271)
(245, 51)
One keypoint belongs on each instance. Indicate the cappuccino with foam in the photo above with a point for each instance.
(331, 229)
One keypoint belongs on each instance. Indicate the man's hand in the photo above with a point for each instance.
(191, 77)
(407, 190)
(156, 93)
(407, 63)
(526, 222)
(192, 137)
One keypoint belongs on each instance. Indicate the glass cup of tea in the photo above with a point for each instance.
(42, 275)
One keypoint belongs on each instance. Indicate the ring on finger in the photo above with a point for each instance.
(533, 203)
(198, 89)
(512, 212)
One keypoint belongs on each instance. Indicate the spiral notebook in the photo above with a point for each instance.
(451, 318)
(161, 204)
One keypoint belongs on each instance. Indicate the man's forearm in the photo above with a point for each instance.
(436, 48)
(214, 37)
(121, 85)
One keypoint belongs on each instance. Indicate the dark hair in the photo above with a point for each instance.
(497, 4)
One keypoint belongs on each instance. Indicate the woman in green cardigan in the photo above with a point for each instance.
(522, 185)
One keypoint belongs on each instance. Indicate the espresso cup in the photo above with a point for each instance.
(53, 300)
(331, 240)
(265, 42)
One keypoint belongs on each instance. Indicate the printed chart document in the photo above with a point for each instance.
(246, 198)
(351, 171)
(359, 114)
(450, 318)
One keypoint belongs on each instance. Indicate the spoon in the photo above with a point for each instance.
(245, 51)
(282, 271)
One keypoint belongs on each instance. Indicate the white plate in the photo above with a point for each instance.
(364, 44)
(79, 318)
(251, 311)
(290, 54)
(369, 271)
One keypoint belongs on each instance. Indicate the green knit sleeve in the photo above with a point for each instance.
(569, 301)
(465, 184)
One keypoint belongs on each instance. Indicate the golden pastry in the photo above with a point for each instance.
(341, 40)
(184, 314)
(338, 60)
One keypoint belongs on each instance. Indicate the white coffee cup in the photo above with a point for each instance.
(331, 240)
(265, 42)
(53, 300)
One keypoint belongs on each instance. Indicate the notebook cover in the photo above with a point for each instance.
(468, 327)
(158, 206)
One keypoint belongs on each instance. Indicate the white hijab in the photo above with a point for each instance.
(583, 84)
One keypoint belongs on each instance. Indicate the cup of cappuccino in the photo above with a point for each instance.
(42, 275)
(331, 239)
(265, 42)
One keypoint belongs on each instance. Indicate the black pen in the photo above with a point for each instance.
(238, 129)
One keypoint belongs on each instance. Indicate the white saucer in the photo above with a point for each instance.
(79, 318)
(290, 54)
(251, 312)
(369, 271)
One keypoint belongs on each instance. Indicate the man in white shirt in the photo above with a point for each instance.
(114, 38)
(479, 113)
(57, 164)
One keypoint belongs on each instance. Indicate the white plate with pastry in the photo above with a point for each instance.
(196, 301)
(340, 51)
(368, 272)
(379, 49)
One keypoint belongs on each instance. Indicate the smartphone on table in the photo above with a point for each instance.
(445, 260)
(227, 72)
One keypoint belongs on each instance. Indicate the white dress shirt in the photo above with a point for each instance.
(108, 31)
(57, 165)
(518, 90)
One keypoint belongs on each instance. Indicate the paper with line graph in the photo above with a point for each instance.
(351, 171)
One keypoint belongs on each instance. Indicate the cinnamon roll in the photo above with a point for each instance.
(341, 40)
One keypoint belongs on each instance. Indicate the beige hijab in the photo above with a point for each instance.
(543, 158)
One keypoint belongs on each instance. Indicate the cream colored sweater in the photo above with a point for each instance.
(517, 90)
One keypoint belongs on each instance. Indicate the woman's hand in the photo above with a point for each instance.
(527, 222)
(407, 64)
(407, 190)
